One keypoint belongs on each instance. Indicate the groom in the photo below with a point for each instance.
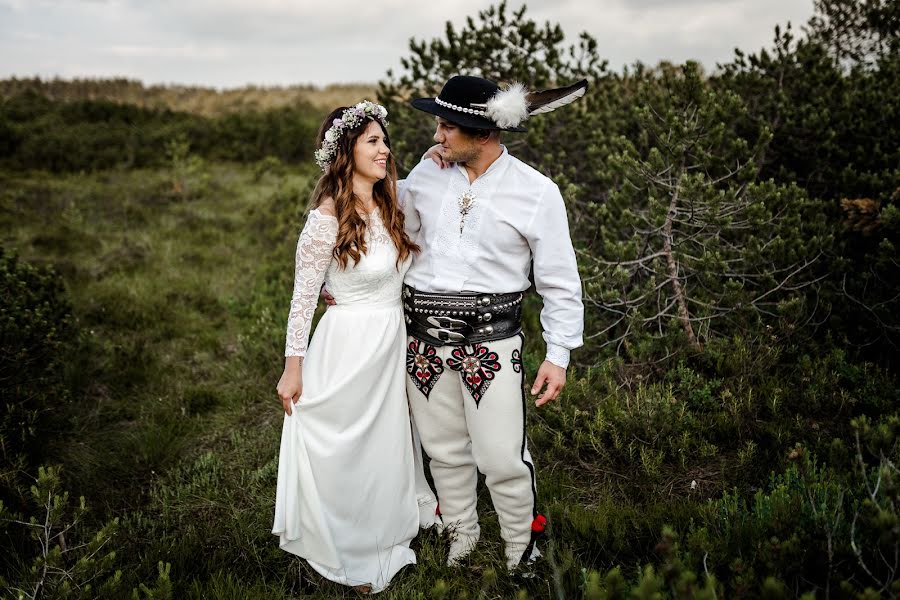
(484, 225)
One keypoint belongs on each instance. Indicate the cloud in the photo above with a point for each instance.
(153, 52)
(677, 30)
(234, 42)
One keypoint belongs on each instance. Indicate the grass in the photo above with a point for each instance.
(158, 284)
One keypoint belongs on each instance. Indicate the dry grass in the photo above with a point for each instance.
(192, 99)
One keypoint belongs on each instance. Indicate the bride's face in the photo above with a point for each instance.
(370, 154)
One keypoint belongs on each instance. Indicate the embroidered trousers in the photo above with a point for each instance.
(468, 403)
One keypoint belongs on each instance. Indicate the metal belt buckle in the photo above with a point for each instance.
(445, 335)
(447, 323)
(444, 328)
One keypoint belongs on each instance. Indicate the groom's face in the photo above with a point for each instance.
(456, 145)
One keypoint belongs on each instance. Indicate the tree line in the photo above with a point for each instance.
(60, 136)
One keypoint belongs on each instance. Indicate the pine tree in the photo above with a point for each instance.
(692, 244)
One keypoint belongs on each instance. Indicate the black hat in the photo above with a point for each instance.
(481, 104)
(456, 100)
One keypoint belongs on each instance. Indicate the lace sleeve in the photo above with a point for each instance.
(314, 253)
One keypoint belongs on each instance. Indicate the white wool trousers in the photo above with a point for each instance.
(468, 404)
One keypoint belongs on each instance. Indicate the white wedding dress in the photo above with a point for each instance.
(348, 470)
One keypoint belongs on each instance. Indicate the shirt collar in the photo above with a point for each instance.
(495, 166)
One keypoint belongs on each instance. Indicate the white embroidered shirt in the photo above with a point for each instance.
(518, 220)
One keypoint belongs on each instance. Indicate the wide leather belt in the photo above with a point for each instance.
(461, 319)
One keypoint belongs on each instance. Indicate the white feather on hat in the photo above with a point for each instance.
(508, 108)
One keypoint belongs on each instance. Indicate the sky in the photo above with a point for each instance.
(231, 43)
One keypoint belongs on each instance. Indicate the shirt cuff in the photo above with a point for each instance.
(558, 355)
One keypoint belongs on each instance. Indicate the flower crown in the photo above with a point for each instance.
(350, 119)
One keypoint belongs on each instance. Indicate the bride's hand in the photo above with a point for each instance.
(290, 386)
(434, 153)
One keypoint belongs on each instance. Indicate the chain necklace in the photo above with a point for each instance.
(466, 202)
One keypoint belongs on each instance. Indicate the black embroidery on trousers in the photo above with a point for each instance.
(423, 365)
(535, 533)
(516, 360)
(524, 434)
(477, 364)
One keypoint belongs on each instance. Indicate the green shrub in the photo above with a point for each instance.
(36, 333)
(39, 133)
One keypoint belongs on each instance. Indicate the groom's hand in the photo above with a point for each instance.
(551, 376)
(328, 298)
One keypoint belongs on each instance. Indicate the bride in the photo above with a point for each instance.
(346, 499)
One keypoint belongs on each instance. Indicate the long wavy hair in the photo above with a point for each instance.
(337, 183)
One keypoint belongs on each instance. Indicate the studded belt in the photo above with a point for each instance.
(461, 319)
